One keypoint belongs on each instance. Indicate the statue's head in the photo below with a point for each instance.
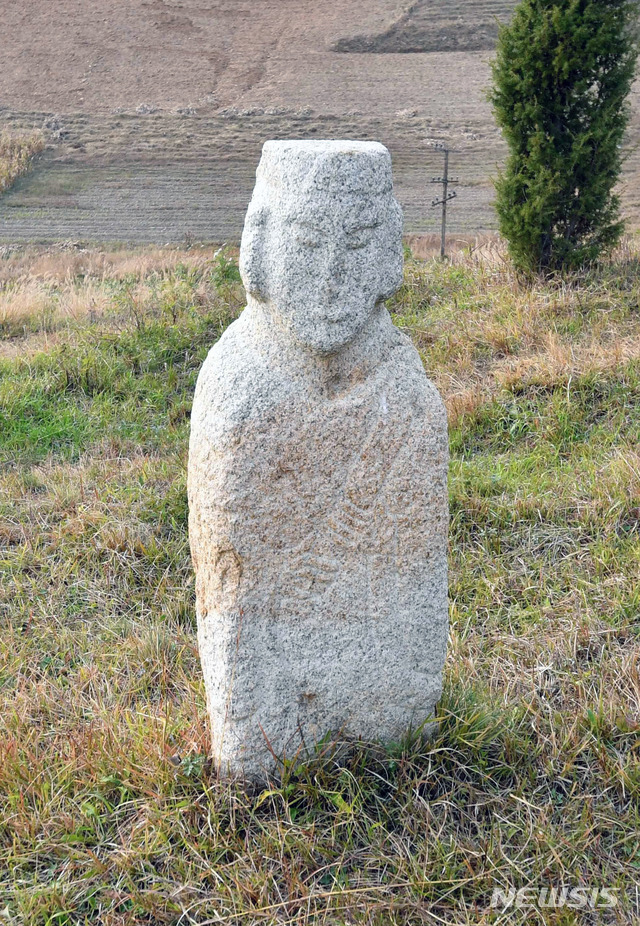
(322, 241)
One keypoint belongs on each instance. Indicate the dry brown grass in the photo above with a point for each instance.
(70, 260)
(499, 330)
(43, 291)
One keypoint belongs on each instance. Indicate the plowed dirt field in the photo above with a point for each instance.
(155, 111)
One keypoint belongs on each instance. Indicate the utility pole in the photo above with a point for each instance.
(446, 196)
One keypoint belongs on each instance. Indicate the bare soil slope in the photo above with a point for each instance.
(155, 110)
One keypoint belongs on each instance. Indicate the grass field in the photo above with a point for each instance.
(110, 812)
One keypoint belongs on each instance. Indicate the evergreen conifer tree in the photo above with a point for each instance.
(561, 80)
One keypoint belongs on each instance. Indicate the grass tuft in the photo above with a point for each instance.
(17, 152)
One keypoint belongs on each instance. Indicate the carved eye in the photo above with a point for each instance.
(306, 238)
(359, 238)
(355, 243)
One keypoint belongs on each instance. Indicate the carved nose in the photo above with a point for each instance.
(335, 269)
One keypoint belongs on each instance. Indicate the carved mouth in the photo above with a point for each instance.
(335, 317)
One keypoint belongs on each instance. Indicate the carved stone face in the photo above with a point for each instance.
(328, 265)
(322, 260)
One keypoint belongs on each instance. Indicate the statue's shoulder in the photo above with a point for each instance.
(231, 358)
(404, 373)
(235, 384)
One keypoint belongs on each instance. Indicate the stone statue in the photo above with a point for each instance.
(318, 475)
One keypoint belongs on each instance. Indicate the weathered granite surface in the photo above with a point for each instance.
(318, 475)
